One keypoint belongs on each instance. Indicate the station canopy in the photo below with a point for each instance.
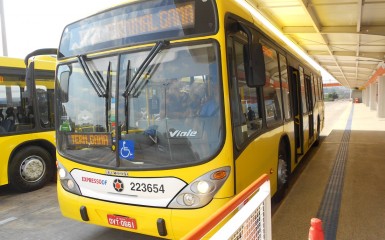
(345, 37)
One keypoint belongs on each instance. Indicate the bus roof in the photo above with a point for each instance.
(11, 62)
(41, 62)
(44, 62)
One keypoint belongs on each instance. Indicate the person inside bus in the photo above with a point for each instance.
(250, 114)
(195, 94)
(210, 105)
(2, 130)
(9, 121)
(251, 119)
(21, 118)
(30, 115)
(1, 115)
(175, 103)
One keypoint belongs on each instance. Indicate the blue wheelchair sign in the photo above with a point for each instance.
(126, 149)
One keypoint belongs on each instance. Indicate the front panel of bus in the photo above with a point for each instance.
(141, 130)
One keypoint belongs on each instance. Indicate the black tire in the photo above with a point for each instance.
(30, 169)
(282, 173)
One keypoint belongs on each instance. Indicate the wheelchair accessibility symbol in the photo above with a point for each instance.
(126, 149)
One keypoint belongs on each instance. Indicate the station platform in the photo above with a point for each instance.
(342, 181)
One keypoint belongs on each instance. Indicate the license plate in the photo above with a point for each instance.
(122, 221)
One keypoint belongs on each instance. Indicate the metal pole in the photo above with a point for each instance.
(3, 31)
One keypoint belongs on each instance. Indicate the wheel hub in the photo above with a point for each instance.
(32, 168)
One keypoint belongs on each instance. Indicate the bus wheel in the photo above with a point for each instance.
(30, 169)
(282, 173)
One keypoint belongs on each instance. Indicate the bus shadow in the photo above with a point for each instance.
(275, 204)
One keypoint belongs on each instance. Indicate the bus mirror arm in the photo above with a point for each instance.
(43, 51)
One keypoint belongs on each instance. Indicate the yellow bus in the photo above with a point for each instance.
(27, 159)
(168, 109)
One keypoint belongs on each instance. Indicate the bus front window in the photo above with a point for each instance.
(167, 113)
(84, 98)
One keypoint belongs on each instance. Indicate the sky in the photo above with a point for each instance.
(34, 24)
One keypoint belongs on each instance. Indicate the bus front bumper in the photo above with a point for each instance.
(159, 222)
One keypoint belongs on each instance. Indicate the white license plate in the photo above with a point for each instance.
(122, 221)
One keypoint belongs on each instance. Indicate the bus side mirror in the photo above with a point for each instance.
(29, 77)
(257, 73)
(64, 85)
(253, 56)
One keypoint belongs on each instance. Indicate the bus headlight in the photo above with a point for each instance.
(62, 172)
(70, 184)
(66, 180)
(202, 190)
(188, 199)
(203, 187)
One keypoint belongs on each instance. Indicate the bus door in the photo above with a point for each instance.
(310, 107)
(297, 109)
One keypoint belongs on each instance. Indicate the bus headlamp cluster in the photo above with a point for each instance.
(202, 190)
(66, 180)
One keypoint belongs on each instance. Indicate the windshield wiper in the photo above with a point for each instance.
(136, 92)
(154, 51)
(126, 112)
(98, 83)
(108, 87)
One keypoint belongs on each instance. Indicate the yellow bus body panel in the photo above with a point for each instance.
(8, 145)
(260, 157)
(178, 221)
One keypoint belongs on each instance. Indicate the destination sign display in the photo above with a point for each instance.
(165, 18)
(90, 140)
(139, 22)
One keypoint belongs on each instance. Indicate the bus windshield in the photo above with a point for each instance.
(167, 115)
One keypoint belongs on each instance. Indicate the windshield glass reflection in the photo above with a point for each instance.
(172, 117)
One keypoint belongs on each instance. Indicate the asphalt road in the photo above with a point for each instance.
(36, 215)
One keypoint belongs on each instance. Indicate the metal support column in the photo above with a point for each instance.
(3, 31)
(381, 97)
(373, 96)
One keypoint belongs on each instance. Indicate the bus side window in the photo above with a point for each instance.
(303, 90)
(244, 99)
(272, 89)
(45, 100)
(42, 103)
(285, 88)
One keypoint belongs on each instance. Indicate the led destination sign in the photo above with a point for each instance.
(94, 140)
(165, 18)
(139, 22)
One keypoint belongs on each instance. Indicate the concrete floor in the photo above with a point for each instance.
(361, 213)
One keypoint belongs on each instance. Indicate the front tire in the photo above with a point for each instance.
(30, 169)
(282, 173)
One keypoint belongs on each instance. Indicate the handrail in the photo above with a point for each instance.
(202, 229)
